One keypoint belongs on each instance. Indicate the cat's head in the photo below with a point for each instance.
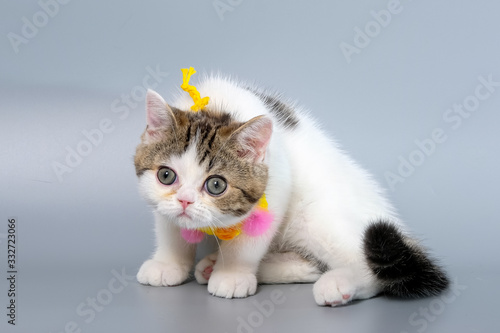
(201, 169)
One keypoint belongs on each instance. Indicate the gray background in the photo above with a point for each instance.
(76, 231)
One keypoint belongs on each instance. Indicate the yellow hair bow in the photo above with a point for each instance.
(199, 103)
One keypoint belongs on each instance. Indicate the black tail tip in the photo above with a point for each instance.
(402, 267)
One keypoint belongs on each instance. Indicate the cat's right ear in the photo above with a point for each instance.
(159, 117)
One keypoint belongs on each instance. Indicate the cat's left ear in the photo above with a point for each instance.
(253, 137)
(159, 116)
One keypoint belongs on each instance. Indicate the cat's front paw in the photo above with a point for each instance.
(232, 284)
(157, 273)
(204, 268)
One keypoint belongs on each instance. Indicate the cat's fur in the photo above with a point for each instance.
(332, 224)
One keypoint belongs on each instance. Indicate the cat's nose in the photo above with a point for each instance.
(185, 203)
(186, 196)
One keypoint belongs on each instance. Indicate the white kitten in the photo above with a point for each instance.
(331, 223)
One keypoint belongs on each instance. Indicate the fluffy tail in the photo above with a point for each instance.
(403, 268)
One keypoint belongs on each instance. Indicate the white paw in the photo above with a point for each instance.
(204, 268)
(157, 273)
(335, 288)
(232, 284)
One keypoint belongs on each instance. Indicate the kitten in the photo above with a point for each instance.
(331, 223)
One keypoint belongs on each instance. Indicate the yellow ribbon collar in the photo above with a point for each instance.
(235, 230)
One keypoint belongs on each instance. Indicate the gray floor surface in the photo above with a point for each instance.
(110, 300)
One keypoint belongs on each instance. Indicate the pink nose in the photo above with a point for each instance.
(185, 203)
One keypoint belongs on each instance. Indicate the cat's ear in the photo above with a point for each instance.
(159, 116)
(252, 138)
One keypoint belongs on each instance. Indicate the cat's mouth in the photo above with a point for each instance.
(188, 221)
(185, 215)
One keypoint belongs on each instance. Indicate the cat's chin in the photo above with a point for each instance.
(187, 222)
(184, 220)
(196, 219)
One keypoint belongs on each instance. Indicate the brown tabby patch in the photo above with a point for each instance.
(216, 152)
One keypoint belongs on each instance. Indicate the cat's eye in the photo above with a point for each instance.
(215, 185)
(166, 176)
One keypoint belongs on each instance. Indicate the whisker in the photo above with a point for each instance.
(218, 220)
(212, 226)
(217, 240)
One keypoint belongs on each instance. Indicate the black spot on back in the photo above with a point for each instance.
(282, 111)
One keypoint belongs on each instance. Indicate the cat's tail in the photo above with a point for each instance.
(402, 267)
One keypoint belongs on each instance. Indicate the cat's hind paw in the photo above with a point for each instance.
(341, 286)
(232, 284)
(157, 273)
(204, 268)
(334, 288)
